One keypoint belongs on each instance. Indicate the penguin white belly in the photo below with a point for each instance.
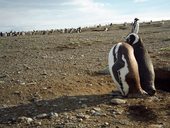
(123, 72)
(120, 82)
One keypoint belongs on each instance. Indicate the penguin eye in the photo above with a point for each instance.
(128, 40)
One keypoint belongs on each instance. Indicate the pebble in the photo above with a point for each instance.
(118, 101)
(82, 116)
(117, 112)
(42, 116)
(26, 66)
(53, 115)
(44, 72)
(24, 119)
(97, 113)
(17, 92)
(22, 83)
(2, 82)
(106, 123)
(155, 126)
(97, 109)
(39, 123)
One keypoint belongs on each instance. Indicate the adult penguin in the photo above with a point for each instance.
(124, 70)
(135, 26)
(145, 66)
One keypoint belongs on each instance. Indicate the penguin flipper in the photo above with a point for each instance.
(116, 67)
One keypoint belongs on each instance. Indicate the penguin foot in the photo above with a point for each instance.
(140, 94)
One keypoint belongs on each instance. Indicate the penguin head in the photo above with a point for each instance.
(132, 38)
(136, 19)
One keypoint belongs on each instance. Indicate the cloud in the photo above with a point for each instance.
(49, 14)
(90, 10)
(140, 1)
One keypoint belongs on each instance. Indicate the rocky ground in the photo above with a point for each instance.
(55, 81)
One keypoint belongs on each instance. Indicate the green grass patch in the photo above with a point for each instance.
(165, 49)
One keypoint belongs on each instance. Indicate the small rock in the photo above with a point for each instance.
(24, 119)
(38, 123)
(44, 88)
(90, 85)
(17, 92)
(42, 116)
(80, 120)
(18, 72)
(97, 109)
(82, 116)
(53, 115)
(117, 112)
(26, 67)
(22, 83)
(118, 101)
(155, 126)
(97, 113)
(2, 82)
(31, 83)
(106, 124)
(44, 72)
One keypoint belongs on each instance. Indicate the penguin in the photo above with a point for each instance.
(135, 26)
(123, 68)
(145, 65)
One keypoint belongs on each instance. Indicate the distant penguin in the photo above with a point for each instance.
(135, 26)
(124, 70)
(146, 70)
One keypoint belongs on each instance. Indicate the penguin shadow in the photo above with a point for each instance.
(59, 105)
(141, 113)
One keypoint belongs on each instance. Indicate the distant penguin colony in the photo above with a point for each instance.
(124, 70)
(131, 67)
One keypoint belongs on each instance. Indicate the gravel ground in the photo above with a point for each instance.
(51, 81)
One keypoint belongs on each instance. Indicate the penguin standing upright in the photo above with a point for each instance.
(123, 68)
(145, 65)
(135, 26)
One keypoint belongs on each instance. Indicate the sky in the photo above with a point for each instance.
(28, 15)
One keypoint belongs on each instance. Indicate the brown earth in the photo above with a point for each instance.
(44, 74)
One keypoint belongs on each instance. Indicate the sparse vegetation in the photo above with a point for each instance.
(165, 49)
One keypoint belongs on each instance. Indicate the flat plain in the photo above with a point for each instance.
(52, 81)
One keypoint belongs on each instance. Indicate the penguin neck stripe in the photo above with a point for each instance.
(136, 38)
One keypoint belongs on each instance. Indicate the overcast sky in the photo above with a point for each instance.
(47, 14)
